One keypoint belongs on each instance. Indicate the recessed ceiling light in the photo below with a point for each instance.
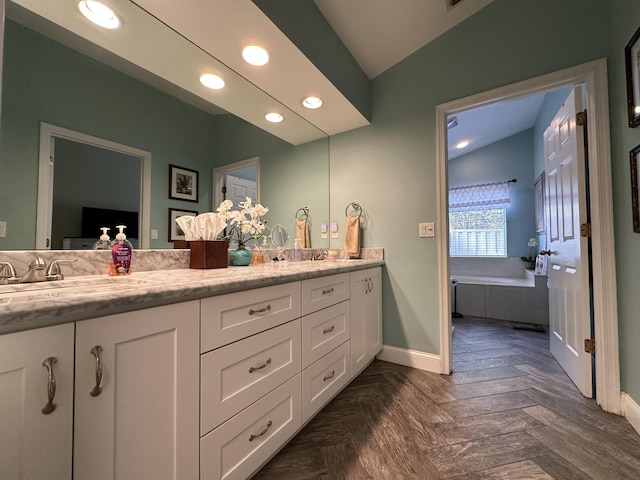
(462, 144)
(312, 102)
(99, 13)
(274, 117)
(255, 55)
(212, 81)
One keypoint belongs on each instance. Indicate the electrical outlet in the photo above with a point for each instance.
(154, 234)
(426, 230)
(3, 229)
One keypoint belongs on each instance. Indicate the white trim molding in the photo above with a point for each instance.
(593, 75)
(410, 358)
(631, 410)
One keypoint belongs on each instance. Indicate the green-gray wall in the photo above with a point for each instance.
(625, 20)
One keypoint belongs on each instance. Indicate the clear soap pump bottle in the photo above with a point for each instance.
(121, 252)
(103, 243)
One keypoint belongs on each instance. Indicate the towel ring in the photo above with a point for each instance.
(304, 215)
(357, 209)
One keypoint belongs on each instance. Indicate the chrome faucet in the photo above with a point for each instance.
(53, 270)
(319, 256)
(35, 272)
(7, 274)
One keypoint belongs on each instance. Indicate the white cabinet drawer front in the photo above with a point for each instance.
(324, 379)
(235, 376)
(323, 331)
(229, 318)
(237, 448)
(323, 292)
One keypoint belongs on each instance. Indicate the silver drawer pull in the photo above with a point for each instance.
(262, 310)
(331, 375)
(97, 389)
(51, 385)
(253, 437)
(253, 369)
(328, 291)
(327, 330)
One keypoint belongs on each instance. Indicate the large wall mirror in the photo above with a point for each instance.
(56, 82)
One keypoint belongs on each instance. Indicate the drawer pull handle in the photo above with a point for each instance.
(253, 369)
(328, 291)
(253, 437)
(331, 375)
(97, 389)
(262, 310)
(327, 330)
(51, 385)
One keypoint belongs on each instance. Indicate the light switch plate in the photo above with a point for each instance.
(323, 230)
(427, 229)
(154, 234)
(334, 230)
(3, 229)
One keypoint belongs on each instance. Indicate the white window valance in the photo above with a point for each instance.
(479, 197)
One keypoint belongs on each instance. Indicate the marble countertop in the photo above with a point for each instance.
(34, 305)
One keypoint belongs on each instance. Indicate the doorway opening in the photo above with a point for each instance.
(593, 76)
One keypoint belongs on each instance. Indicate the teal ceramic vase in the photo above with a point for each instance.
(241, 257)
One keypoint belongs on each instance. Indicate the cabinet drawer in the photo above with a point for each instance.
(324, 379)
(240, 446)
(235, 376)
(323, 292)
(323, 331)
(228, 318)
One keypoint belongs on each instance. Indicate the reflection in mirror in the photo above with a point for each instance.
(84, 95)
(279, 240)
(82, 188)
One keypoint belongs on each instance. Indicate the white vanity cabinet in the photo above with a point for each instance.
(366, 317)
(35, 438)
(136, 395)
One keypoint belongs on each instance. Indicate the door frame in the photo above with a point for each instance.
(593, 75)
(220, 172)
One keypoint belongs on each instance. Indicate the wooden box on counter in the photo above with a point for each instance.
(205, 253)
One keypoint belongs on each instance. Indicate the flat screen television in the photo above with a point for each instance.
(95, 218)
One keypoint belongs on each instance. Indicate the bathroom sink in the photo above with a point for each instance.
(70, 286)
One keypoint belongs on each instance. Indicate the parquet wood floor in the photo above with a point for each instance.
(507, 412)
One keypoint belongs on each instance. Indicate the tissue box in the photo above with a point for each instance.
(208, 254)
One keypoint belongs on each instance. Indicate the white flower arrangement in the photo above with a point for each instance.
(245, 224)
(532, 244)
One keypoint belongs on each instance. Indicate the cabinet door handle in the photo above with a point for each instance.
(253, 437)
(328, 291)
(327, 330)
(331, 375)
(253, 369)
(262, 310)
(97, 389)
(51, 385)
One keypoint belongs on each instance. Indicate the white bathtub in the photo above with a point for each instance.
(521, 299)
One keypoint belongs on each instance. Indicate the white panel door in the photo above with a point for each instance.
(569, 313)
(238, 189)
(35, 441)
(142, 422)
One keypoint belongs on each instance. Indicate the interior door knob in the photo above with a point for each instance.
(545, 252)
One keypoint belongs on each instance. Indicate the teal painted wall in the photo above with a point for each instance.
(390, 166)
(509, 158)
(625, 19)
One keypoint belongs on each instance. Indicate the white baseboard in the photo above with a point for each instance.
(631, 411)
(411, 358)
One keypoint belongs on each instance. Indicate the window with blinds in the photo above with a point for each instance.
(478, 220)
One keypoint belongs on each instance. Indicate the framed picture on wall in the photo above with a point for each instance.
(183, 183)
(175, 232)
(634, 161)
(632, 61)
(539, 199)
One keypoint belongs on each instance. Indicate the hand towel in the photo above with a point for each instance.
(352, 237)
(302, 234)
